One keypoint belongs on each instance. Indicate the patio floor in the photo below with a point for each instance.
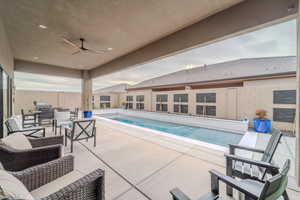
(142, 167)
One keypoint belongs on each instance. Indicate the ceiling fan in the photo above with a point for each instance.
(81, 48)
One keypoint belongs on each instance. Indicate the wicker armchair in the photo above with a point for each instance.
(89, 187)
(39, 175)
(43, 151)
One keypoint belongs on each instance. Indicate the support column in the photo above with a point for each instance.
(297, 121)
(86, 91)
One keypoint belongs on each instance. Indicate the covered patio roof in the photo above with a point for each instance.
(138, 32)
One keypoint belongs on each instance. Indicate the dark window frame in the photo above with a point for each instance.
(214, 112)
(204, 109)
(284, 97)
(209, 97)
(105, 99)
(277, 118)
(129, 105)
(129, 98)
(177, 99)
(183, 107)
(140, 106)
(140, 98)
(161, 107)
(162, 98)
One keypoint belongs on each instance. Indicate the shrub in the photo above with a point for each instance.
(261, 114)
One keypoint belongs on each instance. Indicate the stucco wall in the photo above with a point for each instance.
(24, 99)
(259, 95)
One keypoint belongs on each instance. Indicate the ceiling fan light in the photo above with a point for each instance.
(43, 26)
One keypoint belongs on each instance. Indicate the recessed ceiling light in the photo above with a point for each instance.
(42, 26)
(109, 49)
(35, 58)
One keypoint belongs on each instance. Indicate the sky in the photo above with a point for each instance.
(276, 40)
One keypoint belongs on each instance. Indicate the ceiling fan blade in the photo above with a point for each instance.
(76, 52)
(96, 52)
(70, 43)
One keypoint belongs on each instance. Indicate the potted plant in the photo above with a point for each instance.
(261, 124)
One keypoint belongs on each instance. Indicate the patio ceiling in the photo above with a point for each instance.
(122, 25)
(139, 31)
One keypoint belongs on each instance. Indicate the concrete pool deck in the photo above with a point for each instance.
(139, 166)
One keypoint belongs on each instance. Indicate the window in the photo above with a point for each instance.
(284, 114)
(104, 98)
(140, 98)
(206, 98)
(181, 98)
(210, 110)
(140, 105)
(129, 104)
(284, 97)
(129, 98)
(162, 98)
(200, 110)
(105, 102)
(180, 108)
(160, 106)
(205, 104)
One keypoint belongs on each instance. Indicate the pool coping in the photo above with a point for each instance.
(235, 126)
(248, 139)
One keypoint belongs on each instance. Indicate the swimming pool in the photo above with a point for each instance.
(217, 137)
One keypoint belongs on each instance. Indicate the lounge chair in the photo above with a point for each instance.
(272, 189)
(61, 117)
(13, 126)
(43, 150)
(81, 130)
(237, 166)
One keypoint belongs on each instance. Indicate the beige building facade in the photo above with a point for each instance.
(24, 99)
(224, 90)
(236, 103)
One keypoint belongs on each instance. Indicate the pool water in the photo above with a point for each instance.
(212, 136)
